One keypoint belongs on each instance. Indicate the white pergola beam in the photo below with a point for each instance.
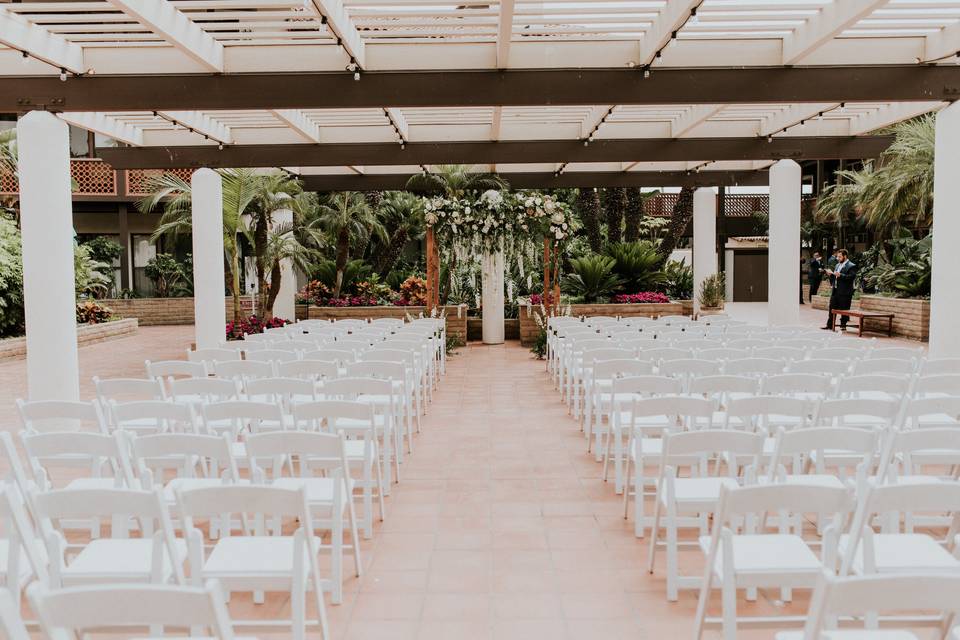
(396, 117)
(829, 22)
(671, 18)
(299, 122)
(694, 116)
(792, 116)
(202, 124)
(890, 114)
(945, 42)
(594, 119)
(18, 33)
(339, 22)
(171, 24)
(504, 33)
(103, 124)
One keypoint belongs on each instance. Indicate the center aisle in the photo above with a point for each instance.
(501, 528)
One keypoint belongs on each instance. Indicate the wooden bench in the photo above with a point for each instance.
(864, 316)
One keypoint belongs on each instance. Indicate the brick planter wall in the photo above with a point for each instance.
(16, 348)
(511, 329)
(528, 324)
(456, 327)
(167, 311)
(822, 303)
(911, 316)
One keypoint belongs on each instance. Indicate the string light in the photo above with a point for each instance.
(63, 74)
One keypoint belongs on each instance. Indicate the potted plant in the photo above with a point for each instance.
(712, 293)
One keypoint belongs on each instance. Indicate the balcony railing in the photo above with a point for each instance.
(96, 178)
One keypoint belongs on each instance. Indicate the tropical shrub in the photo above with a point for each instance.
(253, 324)
(636, 264)
(11, 279)
(91, 312)
(168, 275)
(907, 273)
(90, 276)
(413, 292)
(373, 287)
(354, 272)
(311, 292)
(592, 279)
(678, 280)
(713, 291)
(644, 297)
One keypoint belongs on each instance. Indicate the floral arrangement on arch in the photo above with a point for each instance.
(496, 221)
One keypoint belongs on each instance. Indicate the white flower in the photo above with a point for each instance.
(466, 210)
(557, 217)
(492, 197)
(431, 218)
(549, 205)
(564, 226)
(558, 234)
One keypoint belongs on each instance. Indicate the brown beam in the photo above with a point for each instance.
(393, 181)
(512, 152)
(316, 90)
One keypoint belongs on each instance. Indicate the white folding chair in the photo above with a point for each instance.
(754, 367)
(200, 391)
(212, 355)
(855, 412)
(317, 370)
(848, 354)
(284, 392)
(272, 355)
(897, 353)
(687, 369)
(127, 390)
(156, 556)
(875, 386)
(176, 369)
(907, 453)
(22, 558)
(254, 560)
(862, 597)
(936, 385)
(669, 413)
(243, 370)
(936, 366)
(61, 415)
(330, 498)
(697, 495)
(721, 389)
(895, 550)
(807, 386)
(72, 612)
(404, 396)
(780, 352)
(821, 366)
(356, 420)
(153, 416)
(240, 418)
(741, 552)
(765, 414)
(104, 455)
(723, 353)
(598, 388)
(922, 413)
(894, 366)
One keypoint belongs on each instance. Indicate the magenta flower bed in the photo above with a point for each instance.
(349, 301)
(644, 297)
(253, 324)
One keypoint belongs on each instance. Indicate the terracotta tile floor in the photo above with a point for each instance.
(501, 527)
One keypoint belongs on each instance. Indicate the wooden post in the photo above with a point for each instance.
(546, 270)
(433, 271)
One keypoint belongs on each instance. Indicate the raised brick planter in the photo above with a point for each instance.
(16, 348)
(456, 326)
(164, 311)
(911, 316)
(822, 303)
(529, 329)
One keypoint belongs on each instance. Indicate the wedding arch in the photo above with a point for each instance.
(492, 230)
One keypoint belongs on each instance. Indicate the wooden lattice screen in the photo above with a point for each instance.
(138, 180)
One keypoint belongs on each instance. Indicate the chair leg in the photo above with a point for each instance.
(298, 605)
(729, 597)
(336, 556)
(354, 535)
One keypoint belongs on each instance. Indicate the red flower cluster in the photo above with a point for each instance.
(536, 299)
(640, 298)
(349, 301)
(253, 324)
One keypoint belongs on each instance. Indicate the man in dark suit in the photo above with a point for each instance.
(814, 274)
(844, 275)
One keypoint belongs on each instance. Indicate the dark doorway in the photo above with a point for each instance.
(750, 276)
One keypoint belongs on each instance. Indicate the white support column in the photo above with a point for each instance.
(285, 304)
(46, 222)
(492, 274)
(208, 273)
(944, 296)
(783, 281)
(704, 239)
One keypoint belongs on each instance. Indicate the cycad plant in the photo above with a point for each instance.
(346, 216)
(637, 265)
(592, 278)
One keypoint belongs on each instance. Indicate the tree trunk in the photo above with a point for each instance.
(261, 222)
(235, 289)
(391, 251)
(274, 290)
(679, 219)
(615, 203)
(343, 256)
(633, 215)
(588, 206)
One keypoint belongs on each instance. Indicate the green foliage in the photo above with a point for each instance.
(170, 278)
(11, 279)
(91, 312)
(678, 280)
(104, 249)
(539, 346)
(453, 181)
(588, 209)
(354, 272)
(636, 264)
(453, 343)
(907, 273)
(90, 276)
(712, 291)
(593, 278)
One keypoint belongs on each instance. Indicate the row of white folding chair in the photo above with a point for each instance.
(741, 551)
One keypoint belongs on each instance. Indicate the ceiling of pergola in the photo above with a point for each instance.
(160, 37)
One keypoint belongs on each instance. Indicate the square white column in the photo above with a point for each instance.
(46, 224)
(945, 258)
(210, 316)
(704, 239)
(783, 293)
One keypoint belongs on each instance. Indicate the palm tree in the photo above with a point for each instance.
(588, 208)
(454, 180)
(840, 202)
(274, 192)
(405, 211)
(615, 205)
(345, 217)
(239, 192)
(679, 219)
